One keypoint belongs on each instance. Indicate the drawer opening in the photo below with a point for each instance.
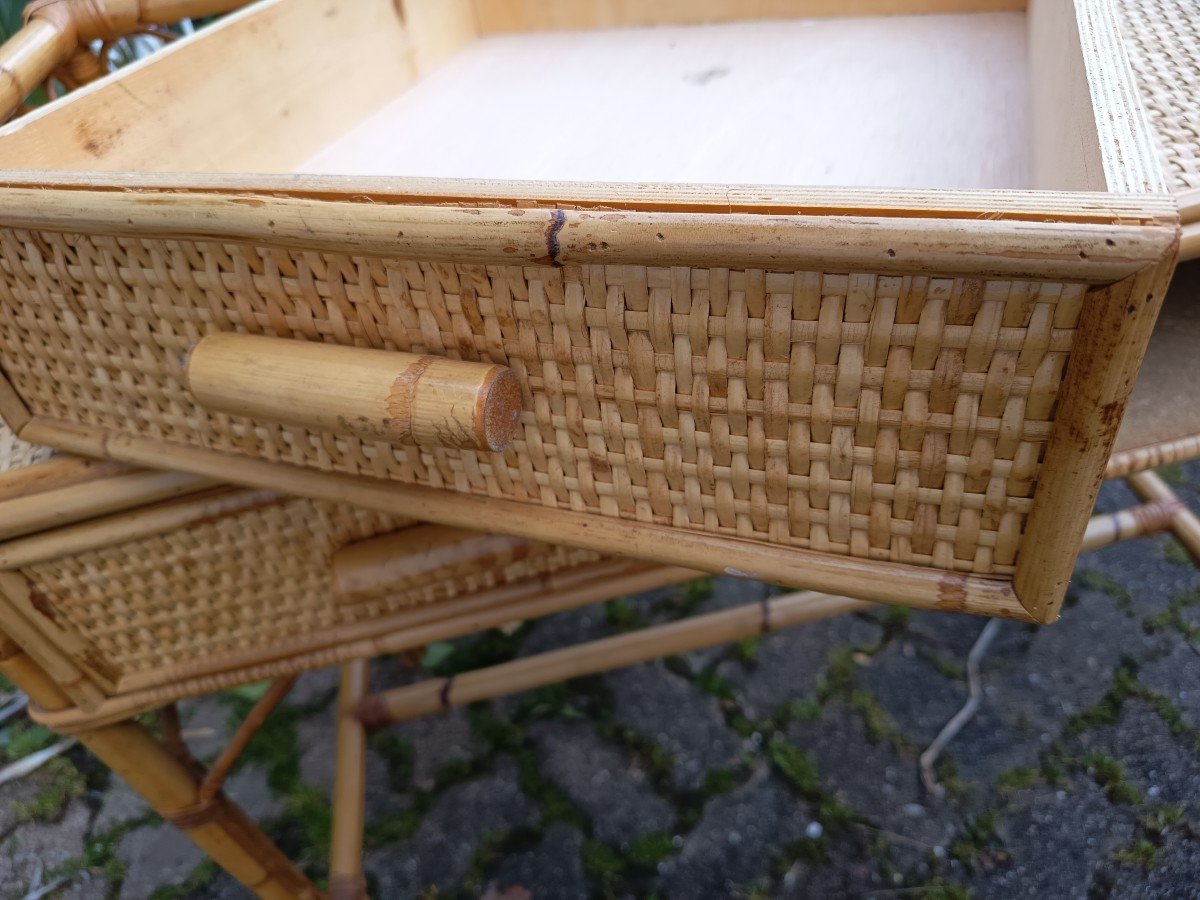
(934, 94)
(1163, 405)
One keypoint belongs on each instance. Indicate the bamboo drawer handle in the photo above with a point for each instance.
(378, 395)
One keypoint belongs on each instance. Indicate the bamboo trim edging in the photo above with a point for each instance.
(655, 642)
(882, 582)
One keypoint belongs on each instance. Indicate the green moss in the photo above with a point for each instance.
(1110, 775)
(200, 877)
(1161, 819)
(22, 738)
(1173, 552)
(307, 822)
(488, 649)
(63, 784)
(1174, 617)
(798, 769)
(647, 850)
(718, 781)
(978, 835)
(1106, 711)
(399, 756)
(1099, 581)
(945, 666)
(603, 866)
(1172, 474)
(746, 650)
(1140, 853)
(1017, 778)
(621, 614)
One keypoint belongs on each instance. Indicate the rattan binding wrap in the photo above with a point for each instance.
(885, 417)
(1163, 41)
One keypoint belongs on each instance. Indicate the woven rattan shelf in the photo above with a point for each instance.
(905, 395)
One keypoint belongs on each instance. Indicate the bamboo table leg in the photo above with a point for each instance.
(349, 788)
(218, 827)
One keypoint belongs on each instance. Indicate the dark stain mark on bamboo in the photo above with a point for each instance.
(553, 248)
(952, 592)
(42, 604)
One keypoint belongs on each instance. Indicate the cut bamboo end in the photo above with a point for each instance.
(378, 395)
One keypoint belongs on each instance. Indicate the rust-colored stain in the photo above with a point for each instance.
(952, 592)
(42, 604)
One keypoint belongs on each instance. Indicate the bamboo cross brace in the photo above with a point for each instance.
(211, 784)
(656, 642)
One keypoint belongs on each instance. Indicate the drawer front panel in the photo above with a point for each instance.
(898, 418)
(884, 417)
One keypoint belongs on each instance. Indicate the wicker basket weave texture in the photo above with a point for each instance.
(885, 417)
(245, 583)
(1163, 42)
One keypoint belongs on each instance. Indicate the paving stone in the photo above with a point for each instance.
(318, 738)
(566, 629)
(918, 698)
(1166, 767)
(437, 740)
(737, 840)
(21, 792)
(552, 869)
(1175, 874)
(315, 687)
(1176, 675)
(1056, 841)
(206, 726)
(120, 803)
(876, 780)
(789, 663)
(154, 856)
(44, 845)
(678, 717)
(602, 780)
(248, 789)
(440, 851)
(1038, 678)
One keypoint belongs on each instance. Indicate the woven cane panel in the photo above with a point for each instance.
(891, 418)
(16, 454)
(1163, 42)
(244, 583)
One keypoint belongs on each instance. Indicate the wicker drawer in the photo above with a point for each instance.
(906, 394)
(150, 587)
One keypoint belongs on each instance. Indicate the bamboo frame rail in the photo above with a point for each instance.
(380, 395)
(59, 31)
(218, 827)
(658, 641)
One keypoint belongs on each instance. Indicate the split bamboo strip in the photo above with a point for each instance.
(346, 880)
(1185, 525)
(378, 395)
(211, 784)
(129, 526)
(878, 581)
(57, 473)
(658, 641)
(70, 505)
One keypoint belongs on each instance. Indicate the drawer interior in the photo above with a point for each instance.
(1163, 404)
(901, 94)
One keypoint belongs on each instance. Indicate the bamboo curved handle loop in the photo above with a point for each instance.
(378, 395)
(57, 30)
